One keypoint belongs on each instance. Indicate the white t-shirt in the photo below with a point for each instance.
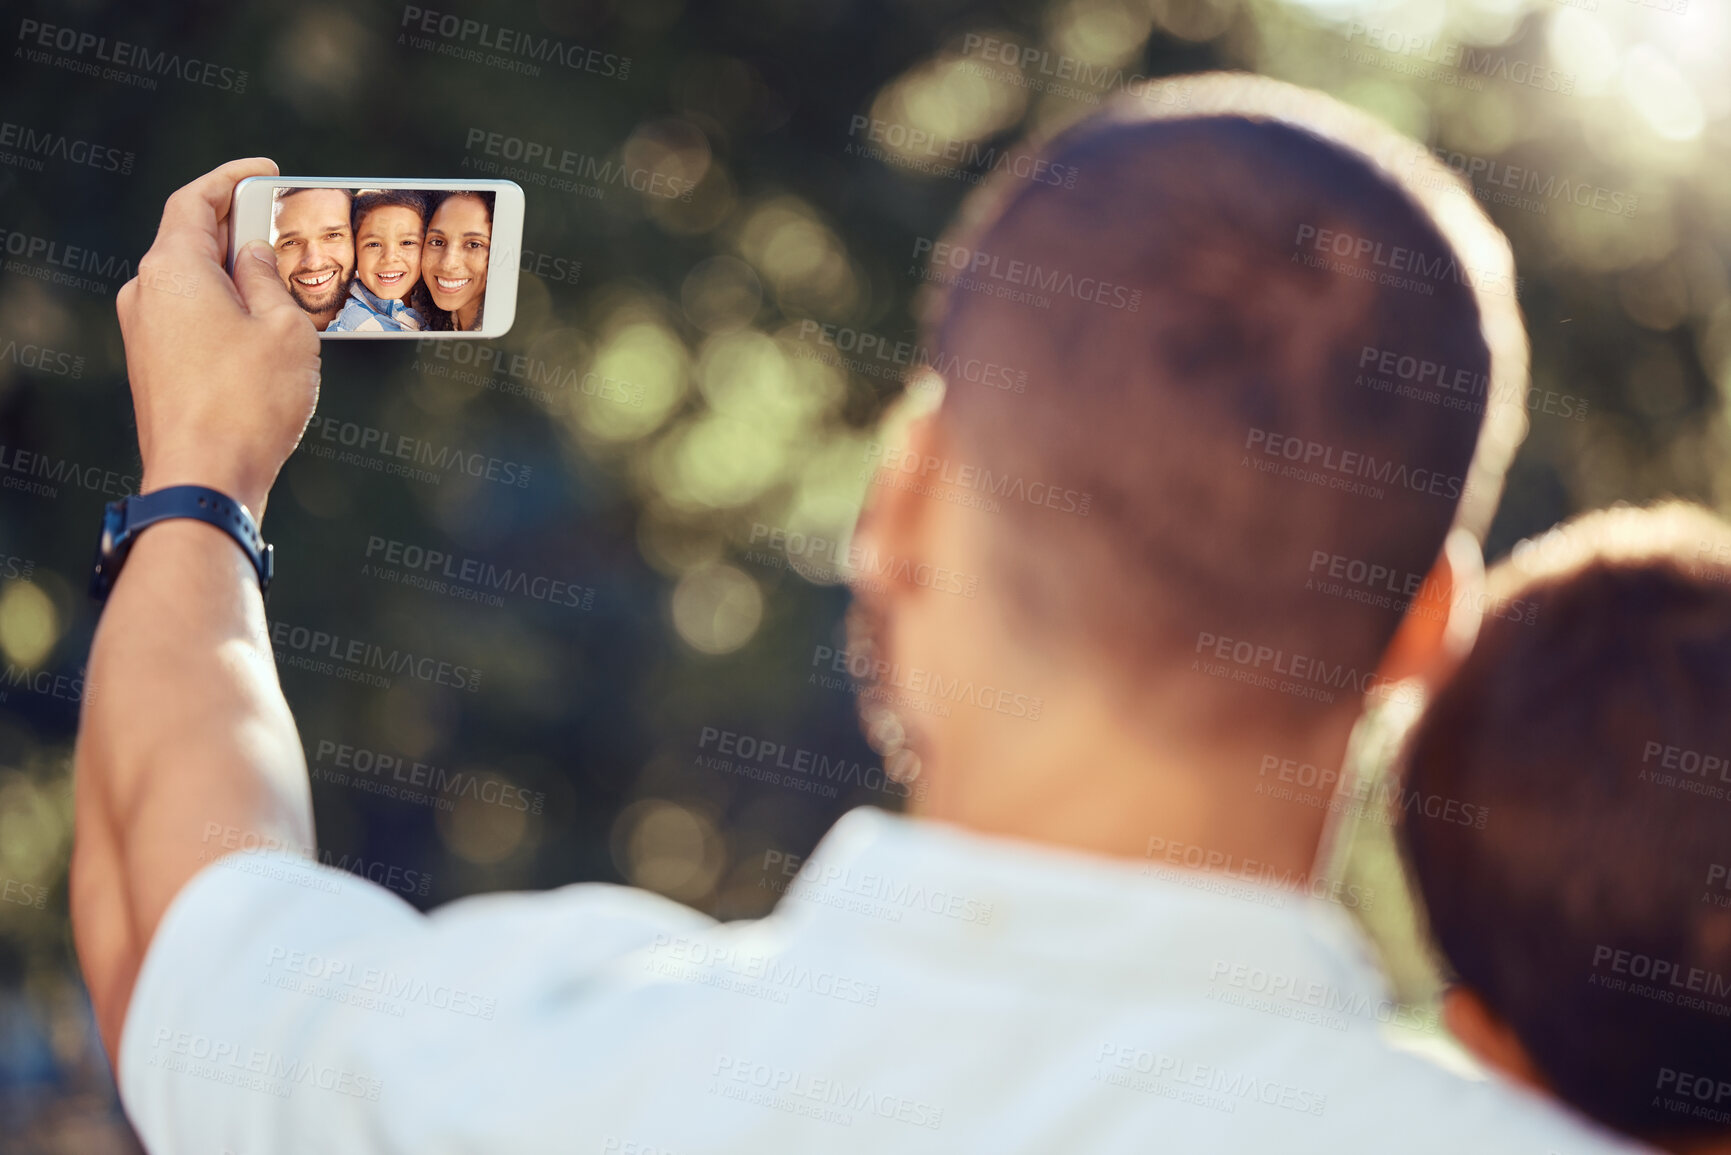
(918, 988)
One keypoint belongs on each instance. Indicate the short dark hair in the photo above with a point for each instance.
(1161, 289)
(372, 199)
(279, 195)
(1586, 727)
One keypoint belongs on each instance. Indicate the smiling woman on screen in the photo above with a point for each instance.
(454, 260)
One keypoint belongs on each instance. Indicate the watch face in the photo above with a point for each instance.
(110, 548)
(113, 525)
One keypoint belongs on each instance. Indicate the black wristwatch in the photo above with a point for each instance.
(124, 520)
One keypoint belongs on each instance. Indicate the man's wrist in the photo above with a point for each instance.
(125, 521)
(231, 483)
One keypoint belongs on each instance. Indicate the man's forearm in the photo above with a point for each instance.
(184, 726)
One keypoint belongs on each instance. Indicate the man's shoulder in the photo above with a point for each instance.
(627, 905)
(584, 923)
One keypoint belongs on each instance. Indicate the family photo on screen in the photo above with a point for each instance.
(384, 260)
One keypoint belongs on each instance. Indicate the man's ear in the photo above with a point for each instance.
(1442, 622)
(893, 520)
(1490, 1040)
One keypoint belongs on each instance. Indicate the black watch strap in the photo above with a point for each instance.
(125, 519)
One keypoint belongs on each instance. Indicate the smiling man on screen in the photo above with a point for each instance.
(314, 242)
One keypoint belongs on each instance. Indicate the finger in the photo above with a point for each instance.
(194, 214)
(260, 285)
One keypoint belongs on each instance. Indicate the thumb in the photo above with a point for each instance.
(255, 276)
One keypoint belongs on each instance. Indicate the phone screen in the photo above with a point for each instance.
(384, 260)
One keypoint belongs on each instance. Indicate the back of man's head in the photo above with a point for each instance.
(1592, 913)
(1262, 334)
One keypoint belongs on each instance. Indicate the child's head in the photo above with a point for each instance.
(1588, 924)
(389, 227)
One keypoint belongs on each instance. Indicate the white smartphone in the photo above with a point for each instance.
(389, 257)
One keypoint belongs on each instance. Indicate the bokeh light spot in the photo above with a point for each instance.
(29, 625)
(717, 608)
(669, 849)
